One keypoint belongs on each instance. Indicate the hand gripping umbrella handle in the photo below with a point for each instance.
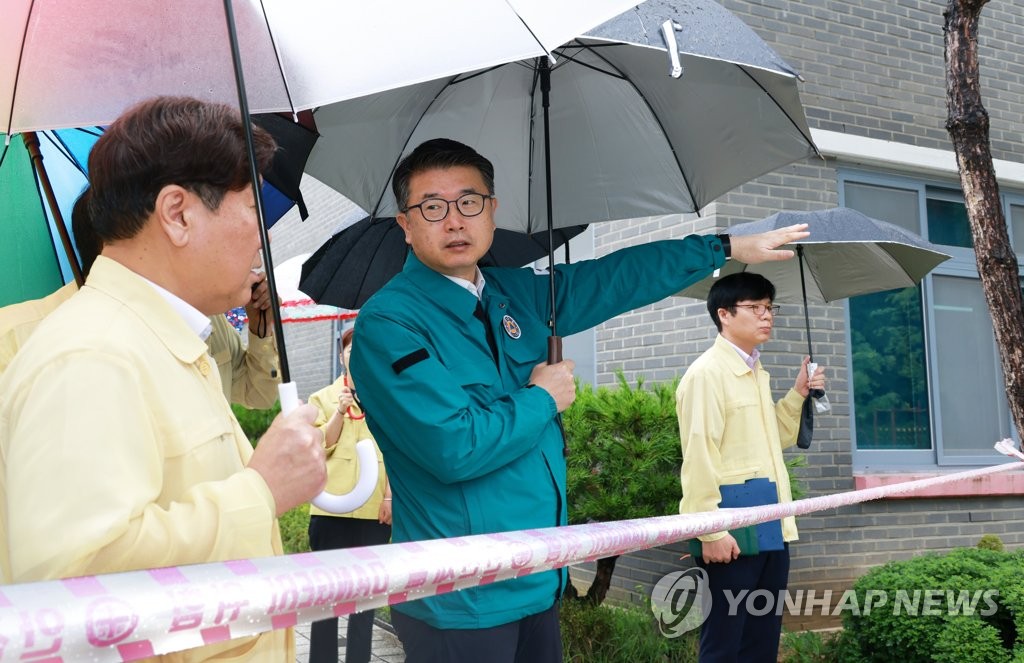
(365, 453)
(554, 349)
(811, 368)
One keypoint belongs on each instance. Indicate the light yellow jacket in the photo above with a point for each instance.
(245, 375)
(18, 321)
(731, 431)
(118, 451)
(342, 464)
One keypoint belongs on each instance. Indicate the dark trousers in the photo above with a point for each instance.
(533, 639)
(331, 533)
(741, 636)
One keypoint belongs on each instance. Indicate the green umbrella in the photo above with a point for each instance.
(35, 206)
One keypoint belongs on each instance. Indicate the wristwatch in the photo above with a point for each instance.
(726, 244)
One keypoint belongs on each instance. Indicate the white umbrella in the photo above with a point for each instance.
(77, 64)
(65, 64)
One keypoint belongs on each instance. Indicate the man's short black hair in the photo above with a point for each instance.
(729, 290)
(438, 153)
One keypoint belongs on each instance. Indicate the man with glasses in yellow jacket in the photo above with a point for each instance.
(732, 433)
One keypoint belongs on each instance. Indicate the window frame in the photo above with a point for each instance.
(962, 265)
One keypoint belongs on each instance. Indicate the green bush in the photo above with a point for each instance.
(295, 529)
(255, 422)
(609, 634)
(624, 453)
(987, 584)
(991, 542)
(964, 638)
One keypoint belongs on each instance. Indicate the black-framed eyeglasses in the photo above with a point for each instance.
(436, 209)
(761, 309)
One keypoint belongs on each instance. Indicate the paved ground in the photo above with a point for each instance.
(386, 646)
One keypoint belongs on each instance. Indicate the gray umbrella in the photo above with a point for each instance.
(636, 118)
(627, 139)
(847, 254)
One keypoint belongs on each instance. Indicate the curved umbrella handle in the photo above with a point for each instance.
(365, 453)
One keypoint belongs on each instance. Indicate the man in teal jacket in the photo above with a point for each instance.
(450, 367)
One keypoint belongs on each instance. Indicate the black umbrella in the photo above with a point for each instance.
(295, 139)
(358, 260)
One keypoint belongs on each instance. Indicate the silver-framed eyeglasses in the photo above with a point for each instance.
(436, 209)
(761, 309)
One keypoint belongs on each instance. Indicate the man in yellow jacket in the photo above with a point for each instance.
(732, 432)
(248, 373)
(144, 465)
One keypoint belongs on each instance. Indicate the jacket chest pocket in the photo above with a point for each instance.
(741, 405)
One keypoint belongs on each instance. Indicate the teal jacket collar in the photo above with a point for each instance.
(439, 288)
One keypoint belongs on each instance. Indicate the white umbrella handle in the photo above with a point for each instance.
(366, 454)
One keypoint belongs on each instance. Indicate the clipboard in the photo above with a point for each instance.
(752, 539)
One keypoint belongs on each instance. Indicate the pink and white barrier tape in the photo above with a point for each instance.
(127, 616)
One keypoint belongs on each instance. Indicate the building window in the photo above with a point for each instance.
(927, 383)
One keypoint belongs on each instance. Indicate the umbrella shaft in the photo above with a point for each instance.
(803, 291)
(32, 145)
(545, 96)
(268, 265)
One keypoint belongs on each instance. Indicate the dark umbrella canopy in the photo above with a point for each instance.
(847, 254)
(357, 261)
(295, 139)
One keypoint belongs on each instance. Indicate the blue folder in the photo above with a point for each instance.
(752, 539)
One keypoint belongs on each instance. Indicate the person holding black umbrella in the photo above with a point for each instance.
(732, 437)
(146, 466)
(450, 366)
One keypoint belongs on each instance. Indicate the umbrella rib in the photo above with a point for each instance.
(528, 29)
(796, 125)
(661, 126)
(58, 143)
(405, 146)
(277, 58)
(566, 58)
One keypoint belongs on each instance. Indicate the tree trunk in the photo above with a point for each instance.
(599, 588)
(968, 126)
(602, 580)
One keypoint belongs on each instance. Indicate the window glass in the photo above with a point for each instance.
(898, 206)
(970, 382)
(890, 381)
(947, 220)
